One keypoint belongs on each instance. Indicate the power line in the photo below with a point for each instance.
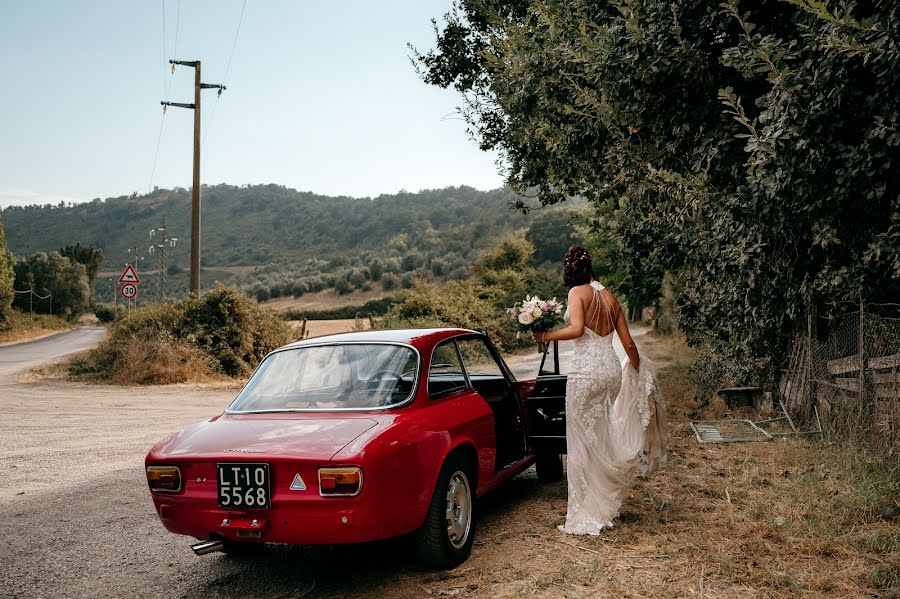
(167, 86)
(174, 47)
(212, 114)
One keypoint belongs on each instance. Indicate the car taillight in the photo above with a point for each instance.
(165, 479)
(340, 481)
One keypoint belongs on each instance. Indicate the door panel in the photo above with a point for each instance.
(547, 405)
(489, 379)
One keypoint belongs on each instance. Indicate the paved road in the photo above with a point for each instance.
(22, 356)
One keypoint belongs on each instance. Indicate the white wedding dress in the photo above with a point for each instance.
(615, 423)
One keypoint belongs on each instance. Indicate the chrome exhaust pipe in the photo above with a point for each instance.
(207, 547)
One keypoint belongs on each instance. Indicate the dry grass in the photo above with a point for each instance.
(317, 328)
(323, 300)
(27, 327)
(144, 361)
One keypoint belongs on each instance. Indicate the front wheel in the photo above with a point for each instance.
(445, 539)
(549, 467)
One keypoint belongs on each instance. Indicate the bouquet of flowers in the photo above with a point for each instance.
(535, 314)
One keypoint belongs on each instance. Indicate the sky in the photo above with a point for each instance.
(321, 97)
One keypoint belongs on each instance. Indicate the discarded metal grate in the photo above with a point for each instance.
(729, 431)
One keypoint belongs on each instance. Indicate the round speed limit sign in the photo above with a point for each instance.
(129, 290)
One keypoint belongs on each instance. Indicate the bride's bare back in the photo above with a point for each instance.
(598, 311)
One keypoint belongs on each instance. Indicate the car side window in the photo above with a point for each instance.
(478, 358)
(445, 374)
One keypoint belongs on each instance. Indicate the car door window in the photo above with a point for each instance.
(445, 375)
(478, 358)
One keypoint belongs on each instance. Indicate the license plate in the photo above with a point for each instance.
(244, 486)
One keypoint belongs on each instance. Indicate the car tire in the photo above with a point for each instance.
(549, 467)
(446, 537)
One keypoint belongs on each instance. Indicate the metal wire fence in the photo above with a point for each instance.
(851, 374)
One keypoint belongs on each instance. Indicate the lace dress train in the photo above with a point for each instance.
(615, 425)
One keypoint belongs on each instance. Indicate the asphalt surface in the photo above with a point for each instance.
(22, 356)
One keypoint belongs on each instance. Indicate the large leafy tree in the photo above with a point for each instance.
(60, 281)
(749, 148)
(6, 281)
(89, 256)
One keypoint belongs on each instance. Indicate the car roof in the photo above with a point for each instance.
(418, 338)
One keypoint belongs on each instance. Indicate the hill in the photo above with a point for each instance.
(297, 241)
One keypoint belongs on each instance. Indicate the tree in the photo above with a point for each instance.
(63, 281)
(750, 149)
(552, 234)
(87, 255)
(7, 276)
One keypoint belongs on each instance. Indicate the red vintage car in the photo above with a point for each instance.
(359, 437)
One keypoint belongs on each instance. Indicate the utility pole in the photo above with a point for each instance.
(160, 243)
(195, 192)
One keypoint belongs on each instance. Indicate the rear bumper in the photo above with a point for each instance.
(322, 521)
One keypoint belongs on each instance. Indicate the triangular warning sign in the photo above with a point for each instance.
(129, 276)
(298, 484)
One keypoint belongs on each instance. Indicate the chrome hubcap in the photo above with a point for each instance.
(459, 509)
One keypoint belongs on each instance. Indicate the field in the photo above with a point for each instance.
(322, 300)
(317, 328)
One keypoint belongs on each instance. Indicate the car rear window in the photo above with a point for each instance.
(328, 377)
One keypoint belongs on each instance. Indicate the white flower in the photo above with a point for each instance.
(536, 312)
(526, 318)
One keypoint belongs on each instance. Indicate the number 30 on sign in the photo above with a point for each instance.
(129, 290)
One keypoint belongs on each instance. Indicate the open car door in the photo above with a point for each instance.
(546, 405)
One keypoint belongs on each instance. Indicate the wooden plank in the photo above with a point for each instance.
(890, 377)
(892, 361)
(847, 384)
(844, 365)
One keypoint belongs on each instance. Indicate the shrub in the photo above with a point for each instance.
(456, 304)
(357, 278)
(234, 331)
(223, 332)
(342, 285)
(390, 281)
(106, 313)
(261, 293)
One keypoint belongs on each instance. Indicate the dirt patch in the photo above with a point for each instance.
(323, 300)
(317, 328)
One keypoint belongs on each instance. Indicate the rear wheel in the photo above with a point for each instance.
(549, 467)
(445, 539)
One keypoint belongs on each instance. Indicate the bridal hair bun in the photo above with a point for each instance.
(578, 269)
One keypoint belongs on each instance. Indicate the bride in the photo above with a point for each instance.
(615, 415)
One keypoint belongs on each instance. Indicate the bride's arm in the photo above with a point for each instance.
(575, 328)
(625, 336)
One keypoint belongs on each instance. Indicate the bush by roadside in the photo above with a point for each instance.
(221, 333)
(22, 327)
(107, 313)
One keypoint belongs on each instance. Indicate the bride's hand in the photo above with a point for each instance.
(538, 336)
